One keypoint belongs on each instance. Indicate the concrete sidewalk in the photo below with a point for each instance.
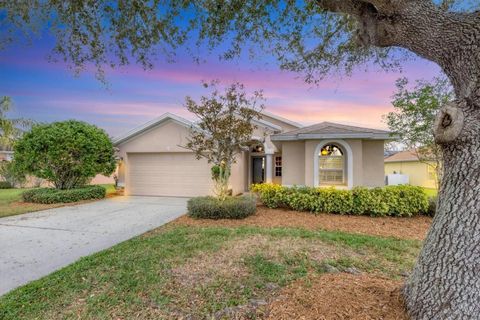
(35, 244)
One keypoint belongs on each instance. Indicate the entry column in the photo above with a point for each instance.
(269, 168)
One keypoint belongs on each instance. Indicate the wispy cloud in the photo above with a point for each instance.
(49, 92)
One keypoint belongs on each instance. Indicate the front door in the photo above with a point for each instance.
(258, 169)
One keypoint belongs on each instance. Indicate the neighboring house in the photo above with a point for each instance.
(407, 163)
(153, 161)
(6, 154)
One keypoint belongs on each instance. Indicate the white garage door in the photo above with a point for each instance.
(168, 174)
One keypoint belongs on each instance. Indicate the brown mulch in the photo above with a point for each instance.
(405, 228)
(340, 296)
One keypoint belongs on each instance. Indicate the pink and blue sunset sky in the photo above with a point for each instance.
(47, 92)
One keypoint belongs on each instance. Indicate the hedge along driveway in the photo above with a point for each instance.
(11, 202)
(35, 244)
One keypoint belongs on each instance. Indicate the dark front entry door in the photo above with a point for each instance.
(258, 165)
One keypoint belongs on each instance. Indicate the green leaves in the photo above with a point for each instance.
(416, 108)
(103, 34)
(49, 196)
(228, 208)
(68, 153)
(224, 128)
(414, 116)
(402, 201)
(10, 129)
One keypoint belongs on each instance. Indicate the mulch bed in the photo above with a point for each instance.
(405, 228)
(340, 296)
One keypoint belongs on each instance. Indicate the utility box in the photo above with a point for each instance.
(396, 179)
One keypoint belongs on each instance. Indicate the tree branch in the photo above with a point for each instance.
(352, 7)
(448, 38)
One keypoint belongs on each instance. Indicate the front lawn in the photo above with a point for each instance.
(431, 192)
(11, 202)
(192, 271)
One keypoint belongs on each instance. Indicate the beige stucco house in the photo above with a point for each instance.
(153, 161)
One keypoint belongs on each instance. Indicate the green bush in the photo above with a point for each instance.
(369, 201)
(270, 194)
(5, 185)
(68, 154)
(390, 200)
(230, 208)
(50, 195)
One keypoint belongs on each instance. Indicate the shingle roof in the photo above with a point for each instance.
(407, 155)
(332, 130)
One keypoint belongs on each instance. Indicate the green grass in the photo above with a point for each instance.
(161, 275)
(110, 188)
(11, 202)
(430, 192)
(9, 206)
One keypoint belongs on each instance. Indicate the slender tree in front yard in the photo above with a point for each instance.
(224, 128)
(10, 128)
(414, 116)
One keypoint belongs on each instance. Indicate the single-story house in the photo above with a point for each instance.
(154, 162)
(419, 173)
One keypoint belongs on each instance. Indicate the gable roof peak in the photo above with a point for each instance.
(331, 130)
(151, 124)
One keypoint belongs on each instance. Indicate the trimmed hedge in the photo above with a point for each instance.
(214, 208)
(5, 185)
(402, 201)
(50, 195)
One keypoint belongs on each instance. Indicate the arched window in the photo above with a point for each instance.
(331, 165)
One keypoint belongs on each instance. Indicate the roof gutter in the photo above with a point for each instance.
(313, 136)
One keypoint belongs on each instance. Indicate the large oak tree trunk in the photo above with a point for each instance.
(445, 283)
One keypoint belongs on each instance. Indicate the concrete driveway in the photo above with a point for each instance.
(35, 244)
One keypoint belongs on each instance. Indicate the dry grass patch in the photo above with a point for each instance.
(229, 262)
(340, 296)
(404, 228)
(254, 267)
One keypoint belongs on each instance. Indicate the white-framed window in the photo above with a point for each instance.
(278, 166)
(331, 165)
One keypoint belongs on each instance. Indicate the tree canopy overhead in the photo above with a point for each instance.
(309, 37)
(314, 38)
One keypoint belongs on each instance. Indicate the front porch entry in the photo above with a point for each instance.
(258, 169)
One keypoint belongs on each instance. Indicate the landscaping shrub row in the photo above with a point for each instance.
(214, 208)
(50, 195)
(403, 201)
(5, 185)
